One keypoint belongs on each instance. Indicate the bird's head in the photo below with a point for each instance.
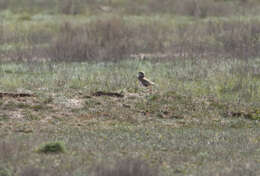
(140, 74)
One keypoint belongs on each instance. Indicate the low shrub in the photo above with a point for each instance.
(52, 147)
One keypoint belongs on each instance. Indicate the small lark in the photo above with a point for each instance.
(145, 82)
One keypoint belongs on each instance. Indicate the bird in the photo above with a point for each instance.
(145, 82)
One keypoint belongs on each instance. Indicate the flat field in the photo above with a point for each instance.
(200, 119)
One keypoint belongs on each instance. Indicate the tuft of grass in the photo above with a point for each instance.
(52, 148)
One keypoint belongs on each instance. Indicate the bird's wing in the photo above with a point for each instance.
(148, 81)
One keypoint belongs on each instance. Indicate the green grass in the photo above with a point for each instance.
(227, 80)
(201, 119)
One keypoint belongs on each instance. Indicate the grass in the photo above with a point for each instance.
(96, 37)
(202, 119)
(229, 80)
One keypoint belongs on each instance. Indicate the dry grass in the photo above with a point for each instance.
(115, 38)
